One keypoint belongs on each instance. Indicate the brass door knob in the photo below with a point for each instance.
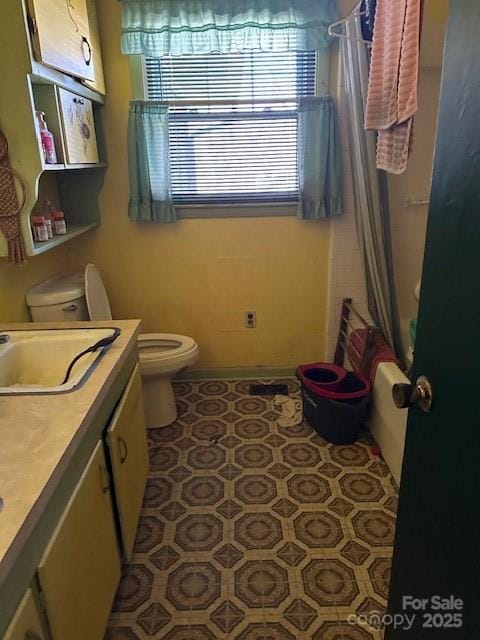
(406, 395)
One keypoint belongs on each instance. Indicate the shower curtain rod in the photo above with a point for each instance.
(334, 34)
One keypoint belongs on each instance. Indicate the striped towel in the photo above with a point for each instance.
(392, 85)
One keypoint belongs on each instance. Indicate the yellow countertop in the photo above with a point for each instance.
(39, 435)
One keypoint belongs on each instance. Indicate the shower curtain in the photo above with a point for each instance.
(370, 191)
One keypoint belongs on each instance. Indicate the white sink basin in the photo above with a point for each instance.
(36, 361)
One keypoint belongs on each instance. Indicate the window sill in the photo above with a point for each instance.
(235, 210)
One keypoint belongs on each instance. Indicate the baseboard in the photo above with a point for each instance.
(233, 373)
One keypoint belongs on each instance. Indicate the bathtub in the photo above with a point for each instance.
(387, 423)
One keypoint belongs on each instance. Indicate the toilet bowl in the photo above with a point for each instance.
(162, 355)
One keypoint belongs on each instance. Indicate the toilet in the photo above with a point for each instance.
(82, 296)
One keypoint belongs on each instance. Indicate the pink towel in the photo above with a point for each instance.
(393, 147)
(392, 85)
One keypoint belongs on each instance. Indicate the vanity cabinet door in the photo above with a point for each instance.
(127, 443)
(80, 569)
(26, 623)
(61, 36)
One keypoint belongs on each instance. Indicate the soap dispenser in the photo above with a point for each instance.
(47, 139)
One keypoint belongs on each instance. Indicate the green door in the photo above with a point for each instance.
(437, 547)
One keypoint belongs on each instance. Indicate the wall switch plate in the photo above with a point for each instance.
(250, 319)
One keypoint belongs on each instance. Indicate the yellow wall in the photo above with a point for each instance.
(198, 277)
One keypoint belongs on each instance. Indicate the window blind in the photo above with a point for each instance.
(233, 123)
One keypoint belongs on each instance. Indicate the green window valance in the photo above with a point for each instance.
(176, 27)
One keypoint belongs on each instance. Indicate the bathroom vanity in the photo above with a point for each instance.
(72, 477)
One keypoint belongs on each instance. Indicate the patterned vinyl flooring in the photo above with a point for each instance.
(252, 531)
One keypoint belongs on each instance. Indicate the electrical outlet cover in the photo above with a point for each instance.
(250, 319)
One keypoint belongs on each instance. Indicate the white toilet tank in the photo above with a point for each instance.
(59, 299)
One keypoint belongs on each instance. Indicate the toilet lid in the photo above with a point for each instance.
(97, 300)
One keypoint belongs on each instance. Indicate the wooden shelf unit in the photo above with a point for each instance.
(30, 86)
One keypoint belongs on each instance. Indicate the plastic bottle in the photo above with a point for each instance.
(47, 139)
(40, 233)
(59, 221)
(48, 211)
(37, 129)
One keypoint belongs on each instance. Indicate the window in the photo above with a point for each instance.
(233, 123)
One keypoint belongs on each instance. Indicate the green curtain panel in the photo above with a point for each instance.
(175, 27)
(149, 164)
(318, 159)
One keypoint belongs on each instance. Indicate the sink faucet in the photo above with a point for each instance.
(4, 337)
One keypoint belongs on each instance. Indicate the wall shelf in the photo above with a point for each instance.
(96, 165)
(73, 231)
(73, 167)
(44, 75)
(53, 167)
(33, 86)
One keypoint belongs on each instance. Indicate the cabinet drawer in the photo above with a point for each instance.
(80, 569)
(78, 128)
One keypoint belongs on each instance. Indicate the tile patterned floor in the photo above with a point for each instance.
(251, 531)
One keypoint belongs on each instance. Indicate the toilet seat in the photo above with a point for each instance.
(160, 346)
(163, 354)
